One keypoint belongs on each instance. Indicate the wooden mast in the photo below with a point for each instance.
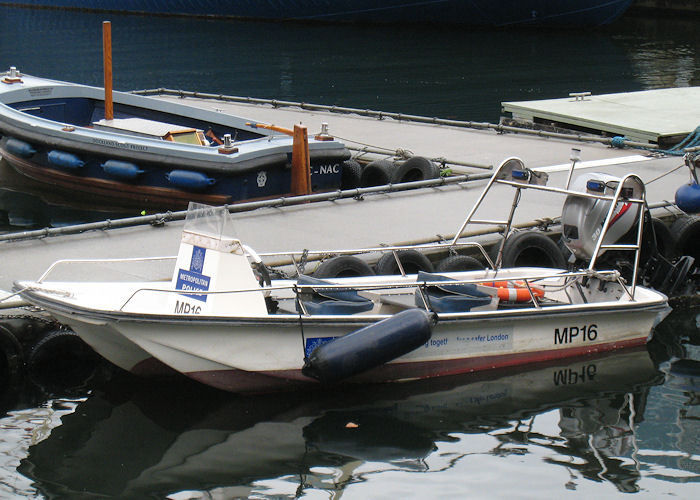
(301, 168)
(107, 63)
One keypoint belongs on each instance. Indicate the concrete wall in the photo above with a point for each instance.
(668, 5)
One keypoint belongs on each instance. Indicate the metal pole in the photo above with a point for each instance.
(107, 63)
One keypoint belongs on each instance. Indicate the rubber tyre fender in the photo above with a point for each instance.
(531, 248)
(416, 168)
(58, 353)
(11, 357)
(350, 175)
(665, 242)
(377, 173)
(686, 230)
(411, 260)
(343, 266)
(458, 263)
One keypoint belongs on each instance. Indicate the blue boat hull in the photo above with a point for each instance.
(468, 12)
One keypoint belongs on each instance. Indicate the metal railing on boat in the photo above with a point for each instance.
(512, 172)
(569, 279)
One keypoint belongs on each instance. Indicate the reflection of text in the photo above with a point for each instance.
(571, 376)
(479, 400)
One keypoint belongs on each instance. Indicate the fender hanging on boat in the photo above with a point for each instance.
(121, 169)
(63, 159)
(20, 148)
(687, 198)
(370, 346)
(187, 179)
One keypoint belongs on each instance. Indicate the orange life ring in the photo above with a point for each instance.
(514, 291)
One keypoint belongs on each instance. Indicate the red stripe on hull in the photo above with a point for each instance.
(244, 381)
(152, 367)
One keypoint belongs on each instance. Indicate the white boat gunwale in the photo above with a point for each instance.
(42, 297)
(410, 283)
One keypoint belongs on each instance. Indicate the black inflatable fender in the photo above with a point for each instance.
(370, 346)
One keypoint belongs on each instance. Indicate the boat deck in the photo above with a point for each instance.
(662, 116)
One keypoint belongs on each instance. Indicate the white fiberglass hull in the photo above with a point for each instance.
(113, 346)
(260, 356)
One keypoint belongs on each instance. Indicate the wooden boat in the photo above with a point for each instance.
(222, 320)
(152, 154)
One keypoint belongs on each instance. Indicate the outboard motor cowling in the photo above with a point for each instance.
(582, 218)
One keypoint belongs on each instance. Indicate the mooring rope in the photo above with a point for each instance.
(692, 140)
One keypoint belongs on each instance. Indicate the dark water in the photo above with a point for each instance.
(593, 427)
(450, 72)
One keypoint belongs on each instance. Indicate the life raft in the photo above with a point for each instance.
(510, 291)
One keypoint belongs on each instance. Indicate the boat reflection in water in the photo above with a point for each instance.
(132, 440)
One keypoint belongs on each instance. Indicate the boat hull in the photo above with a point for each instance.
(260, 356)
(474, 12)
(114, 347)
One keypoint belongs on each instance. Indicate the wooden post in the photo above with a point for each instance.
(301, 165)
(107, 63)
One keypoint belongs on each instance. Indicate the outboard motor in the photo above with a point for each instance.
(582, 218)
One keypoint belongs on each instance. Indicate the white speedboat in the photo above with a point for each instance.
(222, 320)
